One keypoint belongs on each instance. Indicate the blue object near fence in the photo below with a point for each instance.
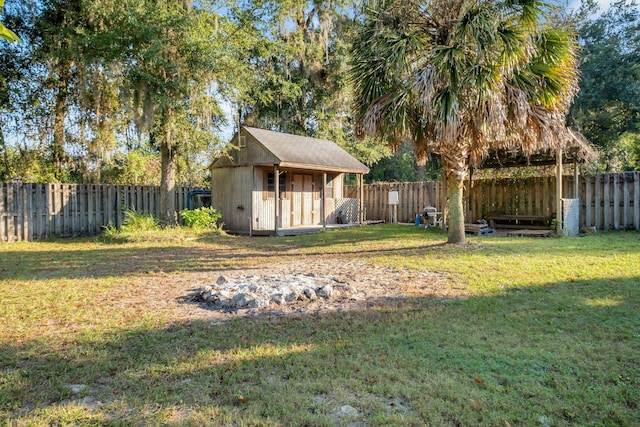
(198, 198)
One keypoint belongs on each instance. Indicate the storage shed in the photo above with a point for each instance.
(272, 183)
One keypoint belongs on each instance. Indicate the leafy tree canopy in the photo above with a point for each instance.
(608, 104)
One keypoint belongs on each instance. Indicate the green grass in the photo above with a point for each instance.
(537, 332)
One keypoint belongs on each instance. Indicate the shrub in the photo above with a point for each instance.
(201, 218)
(134, 222)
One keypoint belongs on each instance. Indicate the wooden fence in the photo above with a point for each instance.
(413, 198)
(607, 201)
(36, 211)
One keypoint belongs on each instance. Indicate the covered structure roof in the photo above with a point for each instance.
(577, 150)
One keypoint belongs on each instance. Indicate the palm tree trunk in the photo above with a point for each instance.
(455, 167)
(456, 214)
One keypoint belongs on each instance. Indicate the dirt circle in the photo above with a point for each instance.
(368, 286)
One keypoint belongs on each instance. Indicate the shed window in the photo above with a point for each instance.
(270, 185)
(329, 187)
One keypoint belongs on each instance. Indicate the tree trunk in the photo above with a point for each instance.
(5, 172)
(455, 167)
(60, 111)
(168, 185)
(419, 171)
(456, 211)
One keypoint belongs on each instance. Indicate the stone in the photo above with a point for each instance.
(248, 292)
(325, 292)
(242, 299)
(310, 294)
(348, 410)
(259, 302)
(545, 421)
(278, 299)
(320, 398)
(76, 388)
(292, 296)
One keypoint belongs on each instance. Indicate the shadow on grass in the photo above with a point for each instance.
(210, 253)
(215, 253)
(565, 353)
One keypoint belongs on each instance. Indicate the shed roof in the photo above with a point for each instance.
(306, 152)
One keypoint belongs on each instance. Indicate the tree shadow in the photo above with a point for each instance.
(566, 351)
(213, 254)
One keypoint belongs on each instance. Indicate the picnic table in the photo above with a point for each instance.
(534, 222)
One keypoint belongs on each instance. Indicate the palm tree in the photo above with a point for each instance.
(462, 78)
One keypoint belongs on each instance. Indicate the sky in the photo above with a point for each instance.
(604, 4)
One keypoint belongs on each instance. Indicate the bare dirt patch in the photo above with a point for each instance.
(368, 286)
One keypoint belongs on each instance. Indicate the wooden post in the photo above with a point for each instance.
(559, 192)
(576, 179)
(323, 208)
(470, 211)
(360, 198)
(29, 222)
(616, 201)
(626, 200)
(598, 222)
(588, 202)
(11, 227)
(21, 217)
(276, 192)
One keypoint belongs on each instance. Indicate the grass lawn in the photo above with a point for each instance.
(540, 332)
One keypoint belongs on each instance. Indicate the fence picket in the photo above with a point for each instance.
(616, 202)
(636, 200)
(626, 200)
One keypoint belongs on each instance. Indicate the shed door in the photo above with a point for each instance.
(302, 200)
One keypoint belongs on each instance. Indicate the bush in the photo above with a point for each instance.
(134, 222)
(201, 218)
(135, 227)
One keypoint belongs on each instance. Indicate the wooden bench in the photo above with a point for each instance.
(533, 222)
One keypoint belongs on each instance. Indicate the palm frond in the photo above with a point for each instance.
(465, 75)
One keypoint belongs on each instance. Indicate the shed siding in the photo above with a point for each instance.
(231, 189)
(252, 154)
(264, 207)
